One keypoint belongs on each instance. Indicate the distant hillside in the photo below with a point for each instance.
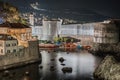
(51, 11)
(78, 15)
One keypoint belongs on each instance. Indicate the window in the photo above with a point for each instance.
(14, 50)
(9, 37)
(7, 45)
(1, 51)
(20, 49)
(8, 51)
(1, 36)
(14, 44)
(1, 45)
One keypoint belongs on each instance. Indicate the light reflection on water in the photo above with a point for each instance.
(18, 73)
(83, 65)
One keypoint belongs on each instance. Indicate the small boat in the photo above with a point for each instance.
(47, 46)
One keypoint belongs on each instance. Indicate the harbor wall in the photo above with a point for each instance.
(25, 55)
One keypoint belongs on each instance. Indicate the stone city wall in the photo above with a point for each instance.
(24, 55)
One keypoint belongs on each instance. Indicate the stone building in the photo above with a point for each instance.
(83, 32)
(89, 33)
(37, 31)
(17, 47)
(106, 32)
(50, 29)
(19, 31)
(8, 44)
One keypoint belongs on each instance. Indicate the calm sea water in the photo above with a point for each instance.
(82, 63)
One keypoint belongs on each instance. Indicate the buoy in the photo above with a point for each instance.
(26, 73)
(6, 73)
(26, 76)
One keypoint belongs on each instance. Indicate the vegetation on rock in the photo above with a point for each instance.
(10, 13)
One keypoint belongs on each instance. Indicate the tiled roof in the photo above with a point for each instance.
(14, 25)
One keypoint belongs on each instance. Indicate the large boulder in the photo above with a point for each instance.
(109, 69)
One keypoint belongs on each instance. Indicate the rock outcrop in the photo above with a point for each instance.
(105, 49)
(109, 69)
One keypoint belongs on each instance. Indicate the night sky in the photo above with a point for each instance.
(105, 7)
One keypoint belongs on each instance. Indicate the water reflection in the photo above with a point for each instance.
(82, 63)
(27, 72)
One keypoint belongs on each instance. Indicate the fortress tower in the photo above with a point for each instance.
(51, 29)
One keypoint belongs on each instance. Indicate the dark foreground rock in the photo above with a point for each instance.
(109, 69)
(106, 49)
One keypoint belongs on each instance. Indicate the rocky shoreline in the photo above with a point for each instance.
(109, 69)
(106, 49)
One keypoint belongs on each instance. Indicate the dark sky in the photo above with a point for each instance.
(105, 7)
